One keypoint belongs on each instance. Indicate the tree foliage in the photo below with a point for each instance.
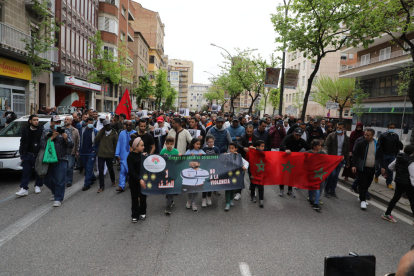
(161, 87)
(144, 89)
(216, 93)
(336, 90)
(320, 27)
(40, 45)
(274, 98)
(358, 106)
(170, 98)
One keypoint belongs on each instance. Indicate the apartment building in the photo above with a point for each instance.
(15, 75)
(195, 99)
(183, 70)
(140, 48)
(330, 66)
(377, 68)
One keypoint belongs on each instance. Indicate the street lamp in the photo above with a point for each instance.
(232, 60)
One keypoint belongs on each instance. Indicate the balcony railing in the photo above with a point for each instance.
(12, 39)
(395, 54)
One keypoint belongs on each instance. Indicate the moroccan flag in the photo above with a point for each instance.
(298, 169)
(125, 105)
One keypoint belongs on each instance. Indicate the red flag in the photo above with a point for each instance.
(125, 105)
(298, 169)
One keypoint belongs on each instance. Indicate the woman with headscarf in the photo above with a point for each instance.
(358, 132)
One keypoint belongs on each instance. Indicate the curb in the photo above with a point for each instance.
(380, 199)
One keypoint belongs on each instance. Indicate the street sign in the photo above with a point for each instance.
(334, 106)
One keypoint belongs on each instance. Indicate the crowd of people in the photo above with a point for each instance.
(89, 142)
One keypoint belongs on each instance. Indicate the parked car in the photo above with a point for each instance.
(10, 141)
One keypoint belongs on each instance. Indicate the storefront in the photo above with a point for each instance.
(14, 82)
(71, 91)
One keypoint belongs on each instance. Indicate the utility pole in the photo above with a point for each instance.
(282, 83)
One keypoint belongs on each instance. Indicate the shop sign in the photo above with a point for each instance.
(80, 83)
(14, 69)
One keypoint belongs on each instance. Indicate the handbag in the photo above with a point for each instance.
(40, 167)
(50, 153)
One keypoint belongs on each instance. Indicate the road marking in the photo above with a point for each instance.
(379, 206)
(244, 269)
(14, 229)
(7, 198)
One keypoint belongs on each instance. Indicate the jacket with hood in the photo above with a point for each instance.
(236, 132)
(222, 138)
(107, 144)
(276, 136)
(404, 169)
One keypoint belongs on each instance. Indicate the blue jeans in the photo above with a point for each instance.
(71, 166)
(88, 161)
(388, 159)
(55, 179)
(332, 179)
(28, 164)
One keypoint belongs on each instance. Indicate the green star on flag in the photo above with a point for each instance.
(260, 166)
(319, 173)
(126, 104)
(287, 167)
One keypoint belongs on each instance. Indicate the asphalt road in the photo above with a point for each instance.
(92, 234)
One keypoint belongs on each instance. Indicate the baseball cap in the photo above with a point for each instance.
(106, 122)
(183, 120)
(235, 118)
(56, 118)
(298, 131)
(219, 119)
(160, 119)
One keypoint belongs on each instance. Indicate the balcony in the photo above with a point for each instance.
(183, 80)
(184, 74)
(12, 40)
(376, 65)
(50, 5)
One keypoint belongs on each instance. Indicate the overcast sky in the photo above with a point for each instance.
(190, 27)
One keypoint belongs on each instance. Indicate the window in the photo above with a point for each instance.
(312, 65)
(122, 36)
(72, 43)
(62, 36)
(350, 67)
(81, 7)
(295, 66)
(344, 56)
(385, 54)
(152, 59)
(123, 11)
(365, 59)
(351, 56)
(315, 79)
(304, 65)
(343, 67)
(68, 39)
(346, 113)
(77, 45)
(107, 24)
(303, 80)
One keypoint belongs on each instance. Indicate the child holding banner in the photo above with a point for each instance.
(194, 149)
(139, 208)
(230, 193)
(209, 149)
(314, 195)
(260, 145)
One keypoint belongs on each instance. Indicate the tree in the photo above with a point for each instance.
(144, 89)
(170, 98)
(215, 93)
(298, 100)
(358, 106)
(125, 66)
(161, 87)
(274, 99)
(337, 90)
(229, 84)
(104, 62)
(40, 45)
(320, 27)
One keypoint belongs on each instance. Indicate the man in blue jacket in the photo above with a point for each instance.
(221, 135)
(236, 130)
(87, 151)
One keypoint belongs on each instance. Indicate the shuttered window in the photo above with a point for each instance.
(385, 53)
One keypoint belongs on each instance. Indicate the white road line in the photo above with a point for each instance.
(14, 229)
(379, 206)
(244, 269)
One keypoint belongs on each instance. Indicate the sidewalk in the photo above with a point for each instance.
(381, 193)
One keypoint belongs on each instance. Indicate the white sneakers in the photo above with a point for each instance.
(365, 201)
(204, 202)
(209, 201)
(37, 190)
(363, 205)
(22, 192)
(52, 198)
(57, 203)
(237, 197)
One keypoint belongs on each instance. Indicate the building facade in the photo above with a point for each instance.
(16, 91)
(181, 72)
(195, 99)
(140, 48)
(377, 68)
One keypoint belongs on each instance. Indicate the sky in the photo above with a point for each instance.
(192, 25)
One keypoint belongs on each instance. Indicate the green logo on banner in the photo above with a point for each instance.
(260, 166)
(287, 167)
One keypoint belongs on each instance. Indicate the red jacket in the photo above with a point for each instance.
(276, 136)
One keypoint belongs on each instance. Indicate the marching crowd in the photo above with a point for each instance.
(89, 142)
